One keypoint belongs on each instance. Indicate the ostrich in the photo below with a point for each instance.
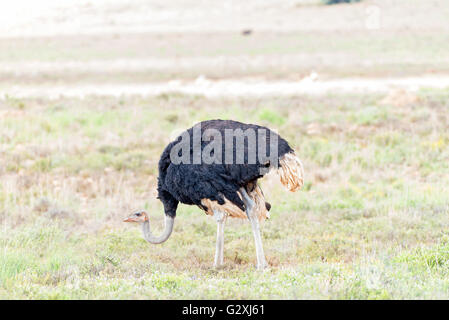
(222, 186)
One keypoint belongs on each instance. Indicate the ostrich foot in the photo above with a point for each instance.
(218, 266)
(262, 266)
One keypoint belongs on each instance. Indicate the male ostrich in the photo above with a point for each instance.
(225, 186)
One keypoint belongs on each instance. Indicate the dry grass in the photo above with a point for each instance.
(376, 189)
(268, 55)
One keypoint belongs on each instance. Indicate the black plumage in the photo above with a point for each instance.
(190, 183)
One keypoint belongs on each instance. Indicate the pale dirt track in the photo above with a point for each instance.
(229, 88)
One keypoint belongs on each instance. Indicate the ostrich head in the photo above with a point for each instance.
(141, 217)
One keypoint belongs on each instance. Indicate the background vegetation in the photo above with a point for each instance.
(370, 223)
(339, 1)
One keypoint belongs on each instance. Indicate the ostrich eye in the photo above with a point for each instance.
(138, 214)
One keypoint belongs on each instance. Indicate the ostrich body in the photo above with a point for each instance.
(222, 189)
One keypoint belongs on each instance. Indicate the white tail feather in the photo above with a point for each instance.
(291, 171)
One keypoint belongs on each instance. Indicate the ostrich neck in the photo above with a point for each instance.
(169, 221)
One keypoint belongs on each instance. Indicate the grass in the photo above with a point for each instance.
(286, 55)
(371, 222)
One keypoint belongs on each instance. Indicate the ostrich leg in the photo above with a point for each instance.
(221, 218)
(250, 212)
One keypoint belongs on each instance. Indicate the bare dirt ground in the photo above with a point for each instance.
(139, 47)
(231, 88)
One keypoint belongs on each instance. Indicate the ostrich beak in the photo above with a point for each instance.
(138, 217)
(131, 218)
